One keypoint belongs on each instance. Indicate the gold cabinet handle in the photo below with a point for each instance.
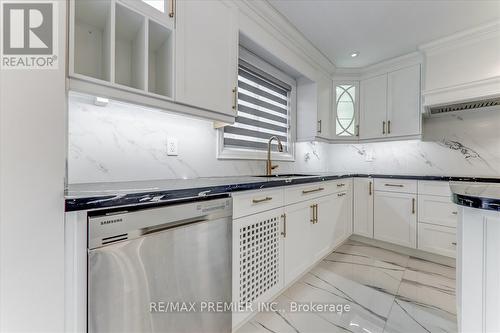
(413, 205)
(319, 126)
(357, 130)
(394, 185)
(389, 127)
(171, 8)
(341, 194)
(312, 191)
(454, 213)
(370, 188)
(235, 98)
(383, 127)
(313, 219)
(316, 215)
(262, 200)
(284, 225)
(454, 243)
(341, 185)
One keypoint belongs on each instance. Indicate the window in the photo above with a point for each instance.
(266, 102)
(346, 110)
(156, 4)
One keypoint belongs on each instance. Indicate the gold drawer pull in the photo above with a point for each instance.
(394, 185)
(262, 200)
(454, 243)
(454, 213)
(341, 194)
(312, 191)
(341, 185)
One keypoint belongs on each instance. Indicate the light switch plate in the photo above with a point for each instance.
(172, 147)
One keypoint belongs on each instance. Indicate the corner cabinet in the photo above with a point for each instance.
(178, 55)
(363, 207)
(206, 53)
(390, 105)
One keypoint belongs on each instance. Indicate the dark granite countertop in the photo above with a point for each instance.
(477, 195)
(116, 194)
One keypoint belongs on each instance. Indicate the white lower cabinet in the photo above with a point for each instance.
(341, 216)
(298, 239)
(437, 239)
(363, 207)
(395, 218)
(437, 218)
(478, 270)
(276, 239)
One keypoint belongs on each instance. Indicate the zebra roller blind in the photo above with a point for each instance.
(263, 111)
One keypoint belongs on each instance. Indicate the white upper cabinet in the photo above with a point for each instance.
(390, 105)
(314, 100)
(174, 55)
(207, 54)
(373, 113)
(345, 111)
(403, 102)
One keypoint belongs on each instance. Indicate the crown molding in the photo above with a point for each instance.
(265, 15)
(379, 68)
(463, 37)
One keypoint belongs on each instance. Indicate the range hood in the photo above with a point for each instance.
(476, 96)
(475, 105)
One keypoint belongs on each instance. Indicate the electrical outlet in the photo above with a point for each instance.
(172, 147)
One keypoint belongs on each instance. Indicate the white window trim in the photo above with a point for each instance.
(334, 108)
(224, 153)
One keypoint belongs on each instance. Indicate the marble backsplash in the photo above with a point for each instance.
(122, 142)
(454, 145)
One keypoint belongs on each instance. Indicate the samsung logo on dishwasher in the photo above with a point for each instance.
(111, 221)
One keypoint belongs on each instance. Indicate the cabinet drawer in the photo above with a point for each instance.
(396, 185)
(437, 239)
(294, 194)
(434, 188)
(247, 203)
(437, 210)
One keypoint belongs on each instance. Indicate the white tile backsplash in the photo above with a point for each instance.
(121, 142)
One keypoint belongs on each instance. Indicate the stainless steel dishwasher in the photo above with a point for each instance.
(139, 259)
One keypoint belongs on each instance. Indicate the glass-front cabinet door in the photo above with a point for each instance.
(346, 110)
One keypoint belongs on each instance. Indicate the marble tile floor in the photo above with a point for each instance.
(386, 292)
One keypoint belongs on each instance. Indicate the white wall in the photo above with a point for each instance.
(32, 170)
(123, 142)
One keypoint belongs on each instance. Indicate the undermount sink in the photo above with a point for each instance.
(286, 175)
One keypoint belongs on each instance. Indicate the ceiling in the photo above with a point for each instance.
(381, 29)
